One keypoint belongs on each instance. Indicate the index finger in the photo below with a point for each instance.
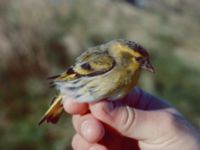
(72, 107)
(140, 99)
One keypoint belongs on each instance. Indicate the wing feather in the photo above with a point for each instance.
(95, 64)
(90, 63)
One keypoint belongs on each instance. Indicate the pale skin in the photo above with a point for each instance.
(139, 121)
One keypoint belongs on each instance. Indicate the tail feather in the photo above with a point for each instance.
(53, 114)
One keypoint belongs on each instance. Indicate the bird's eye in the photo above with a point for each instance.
(140, 59)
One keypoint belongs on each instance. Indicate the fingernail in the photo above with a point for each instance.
(85, 130)
(92, 130)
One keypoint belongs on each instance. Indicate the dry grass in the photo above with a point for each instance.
(40, 38)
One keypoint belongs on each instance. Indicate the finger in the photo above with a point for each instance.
(98, 147)
(88, 127)
(140, 99)
(79, 143)
(133, 123)
(73, 107)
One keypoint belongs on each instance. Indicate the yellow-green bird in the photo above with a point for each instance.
(107, 71)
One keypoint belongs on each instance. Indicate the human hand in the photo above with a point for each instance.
(139, 121)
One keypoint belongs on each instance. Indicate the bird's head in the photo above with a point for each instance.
(132, 50)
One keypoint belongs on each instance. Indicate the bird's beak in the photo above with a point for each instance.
(148, 67)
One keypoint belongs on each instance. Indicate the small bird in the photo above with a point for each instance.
(108, 71)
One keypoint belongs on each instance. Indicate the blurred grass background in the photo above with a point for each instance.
(41, 38)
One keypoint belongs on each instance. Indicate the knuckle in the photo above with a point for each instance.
(171, 122)
(126, 120)
(168, 119)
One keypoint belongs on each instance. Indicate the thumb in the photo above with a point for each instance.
(131, 122)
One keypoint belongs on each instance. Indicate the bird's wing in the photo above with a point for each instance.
(90, 63)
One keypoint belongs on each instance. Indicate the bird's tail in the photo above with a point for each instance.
(54, 112)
